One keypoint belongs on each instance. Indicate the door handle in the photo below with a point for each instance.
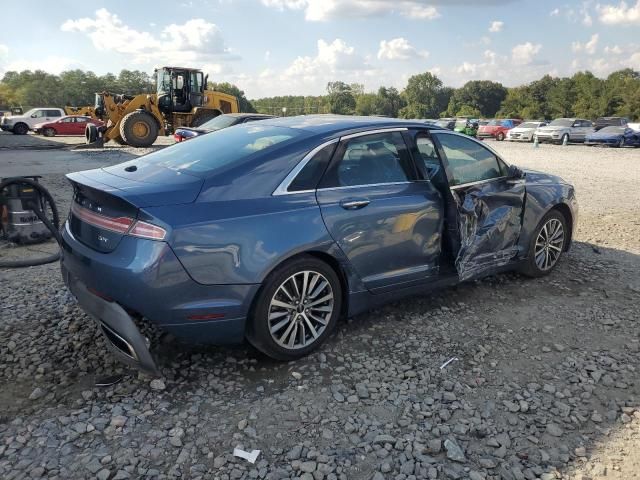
(354, 204)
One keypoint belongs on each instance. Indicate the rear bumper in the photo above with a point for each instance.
(143, 278)
(121, 333)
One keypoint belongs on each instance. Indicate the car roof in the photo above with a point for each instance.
(328, 123)
(243, 115)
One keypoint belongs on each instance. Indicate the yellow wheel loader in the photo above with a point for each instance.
(180, 101)
(86, 111)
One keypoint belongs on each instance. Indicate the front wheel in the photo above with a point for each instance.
(139, 129)
(296, 310)
(49, 132)
(565, 139)
(621, 143)
(500, 137)
(547, 244)
(21, 129)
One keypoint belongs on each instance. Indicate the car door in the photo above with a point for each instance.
(489, 204)
(586, 128)
(386, 221)
(64, 126)
(39, 116)
(78, 126)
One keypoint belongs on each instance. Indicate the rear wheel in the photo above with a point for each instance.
(20, 128)
(500, 136)
(49, 132)
(139, 129)
(296, 310)
(565, 139)
(547, 244)
(621, 143)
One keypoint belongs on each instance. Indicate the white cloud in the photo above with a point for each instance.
(621, 14)
(193, 41)
(496, 26)
(555, 12)
(399, 49)
(525, 53)
(589, 47)
(321, 10)
(51, 64)
(4, 52)
(332, 57)
(615, 50)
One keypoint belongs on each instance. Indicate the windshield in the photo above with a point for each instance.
(221, 121)
(529, 125)
(164, 81)
(561, 122)
(613, 130)
(210, 152)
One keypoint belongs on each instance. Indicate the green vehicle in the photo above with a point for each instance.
(466, 126)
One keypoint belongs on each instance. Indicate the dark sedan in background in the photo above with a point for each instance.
(272, 231)
(614, 137)
(221, 121)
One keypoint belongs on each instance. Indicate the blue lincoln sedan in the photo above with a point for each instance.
(271, 231)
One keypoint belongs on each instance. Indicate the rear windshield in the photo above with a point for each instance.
(207, 153)
(221, 121)
(561, 122)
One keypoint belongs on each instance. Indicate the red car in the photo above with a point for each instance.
(69, 125)
(497, 128)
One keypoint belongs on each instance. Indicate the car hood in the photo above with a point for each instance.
(552, 129)
(523, 129)
(535, 177)
(147, 185)
(604, 135)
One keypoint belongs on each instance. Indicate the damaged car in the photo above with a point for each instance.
(271, 231)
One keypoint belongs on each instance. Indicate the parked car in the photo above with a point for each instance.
(563, 130)
(614, 137)
(603, 122)
(21, 124)
(497, 128)
(448, 123)
(272, 231)
(466, 126)
(525, 132)
(221, 121)
(69, 125)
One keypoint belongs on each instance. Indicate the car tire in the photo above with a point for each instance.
(272, 325)
(90, 133)
(621, 143)
(562, 139)
(500, 136)
(20, 129)
(139, 129)
(49, 132)
(546, 246)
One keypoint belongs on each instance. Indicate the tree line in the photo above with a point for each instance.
(424, 96)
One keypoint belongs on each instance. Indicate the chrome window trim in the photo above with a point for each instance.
(477, 182)
(326, 189)
(283, 188)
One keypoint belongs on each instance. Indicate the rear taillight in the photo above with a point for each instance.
(178, 138)
(147, 230)
(122, 225)
(117, 224)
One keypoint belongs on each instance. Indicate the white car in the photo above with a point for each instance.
(525, 132)
(21, 124)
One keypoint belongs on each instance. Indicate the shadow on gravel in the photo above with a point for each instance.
(545, 369)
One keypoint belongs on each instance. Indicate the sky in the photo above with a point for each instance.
(294, 47)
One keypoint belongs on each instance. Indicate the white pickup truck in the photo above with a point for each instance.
(21, 124)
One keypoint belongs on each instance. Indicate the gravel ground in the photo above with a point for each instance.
(545, 383)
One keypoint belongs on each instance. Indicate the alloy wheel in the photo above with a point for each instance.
(300, 310)
(549, 244)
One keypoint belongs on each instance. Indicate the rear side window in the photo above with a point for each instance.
(468, 160)
(54, 113)
(207, 153)
(310, 175)
(369, 160)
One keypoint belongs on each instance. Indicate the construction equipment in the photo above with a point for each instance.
(180, 101)
(85, 111)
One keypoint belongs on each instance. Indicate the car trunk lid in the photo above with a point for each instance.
(106, 202)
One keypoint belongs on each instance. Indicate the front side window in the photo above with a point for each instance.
(369, 160)
(67, 120)
(54, 113)
(428, 154)
(81, 119)
(468, 160)
(39, 114)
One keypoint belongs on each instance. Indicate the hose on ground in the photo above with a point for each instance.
(53, 225)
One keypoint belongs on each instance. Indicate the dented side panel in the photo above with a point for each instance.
(490, 223)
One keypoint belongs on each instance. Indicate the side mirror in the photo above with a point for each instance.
(515, 173)
(34, 115)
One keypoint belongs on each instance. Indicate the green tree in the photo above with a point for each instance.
(389, 102)
(480, 96)
(366, 104)
(341, 98)
(425, 95)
